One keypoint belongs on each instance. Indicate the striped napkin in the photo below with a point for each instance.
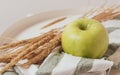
(60, 63)
(64, 64)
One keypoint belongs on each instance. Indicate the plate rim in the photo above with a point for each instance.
(12, 31)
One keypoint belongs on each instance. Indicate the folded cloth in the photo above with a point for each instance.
(65, 64)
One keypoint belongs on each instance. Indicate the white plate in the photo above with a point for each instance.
(18, 27)
(24, 27)
(27, 22)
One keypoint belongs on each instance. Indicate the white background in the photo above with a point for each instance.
(14, 10)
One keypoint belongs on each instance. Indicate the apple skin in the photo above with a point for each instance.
(85, 38)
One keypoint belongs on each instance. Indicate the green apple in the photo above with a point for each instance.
(85, 38)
